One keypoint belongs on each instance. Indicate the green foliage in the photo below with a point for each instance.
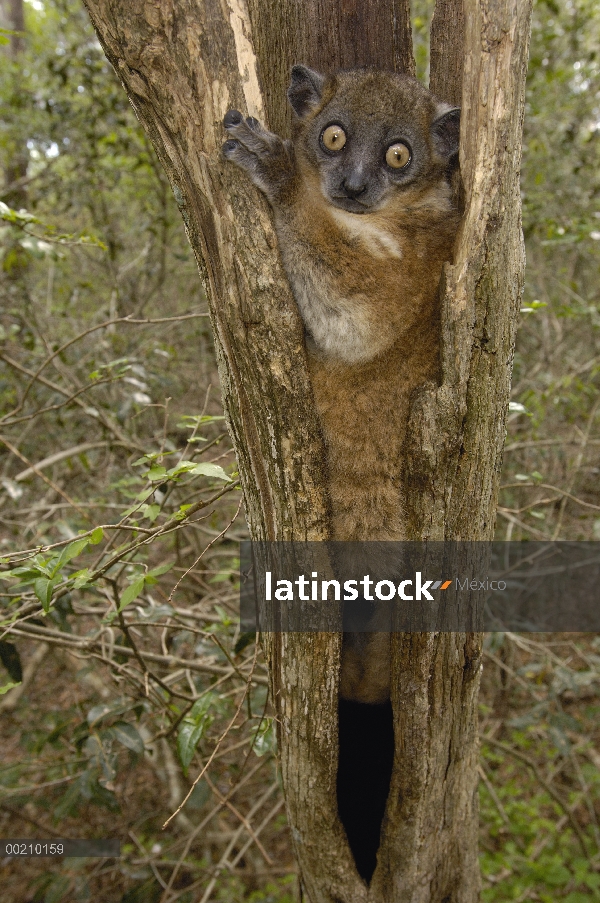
(193, 727)
(553, 419)
(422, 11)
(562, 138)
(117, 479)
(9, 686)
(541, 785)
(264, 737)
(525, 851)
(279, 890)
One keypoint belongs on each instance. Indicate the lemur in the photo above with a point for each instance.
(366, 213)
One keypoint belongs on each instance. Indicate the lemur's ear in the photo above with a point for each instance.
(305, 90)
(445, 132)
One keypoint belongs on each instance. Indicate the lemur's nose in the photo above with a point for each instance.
(354, 187)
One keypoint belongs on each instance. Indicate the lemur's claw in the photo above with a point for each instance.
(229, 147)
(231, 118)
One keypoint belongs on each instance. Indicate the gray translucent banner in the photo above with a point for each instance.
(81, 849)
(419, 587)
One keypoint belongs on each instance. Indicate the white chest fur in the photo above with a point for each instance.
(378, 241)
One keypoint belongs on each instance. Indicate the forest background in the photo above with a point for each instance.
(124, 676)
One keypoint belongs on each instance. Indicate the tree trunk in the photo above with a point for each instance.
(183, 65)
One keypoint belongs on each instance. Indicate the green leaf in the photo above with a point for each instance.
(111, 709)
(221, 577)
(17, 217)
(200, 708)
(28, 574)
(555, 875)
(72, 551)
(210, 470)
(193, 727)
(43, 588)
(182, 467)
(150, 512)
(96, 536)
(81, 578)
(156, 473)
(182, 512)
(8, 686)
(187, 740)
(161, 569)
(127, 735)
(69, 800)
(132, 592)
(97, 712)
(264, 738)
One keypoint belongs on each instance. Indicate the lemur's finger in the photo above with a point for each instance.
(229, 148)
(235, 152)
(234, 117)
(251, 134)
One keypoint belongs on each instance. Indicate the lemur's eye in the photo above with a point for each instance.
(398, 156)
(333, 137)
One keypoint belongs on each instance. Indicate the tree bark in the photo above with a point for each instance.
(327, 36)
(446, 50)
(457, 435)
(183, 64)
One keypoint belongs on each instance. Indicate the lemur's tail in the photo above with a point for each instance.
(366, 756)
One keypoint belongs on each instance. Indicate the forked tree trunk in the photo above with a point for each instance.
(183, 64)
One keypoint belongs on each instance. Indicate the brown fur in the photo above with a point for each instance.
(364, 408)
(373, 277)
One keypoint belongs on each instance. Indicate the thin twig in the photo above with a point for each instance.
(82, 335)
(244, 821)
(211, 543)
(563, 492)
(60, 456)
(219, 741)
(43, 476)
(57, 638)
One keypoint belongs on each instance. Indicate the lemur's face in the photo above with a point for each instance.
(367, 145)
(361, 159)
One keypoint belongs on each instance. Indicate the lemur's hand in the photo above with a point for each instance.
(268, 160)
